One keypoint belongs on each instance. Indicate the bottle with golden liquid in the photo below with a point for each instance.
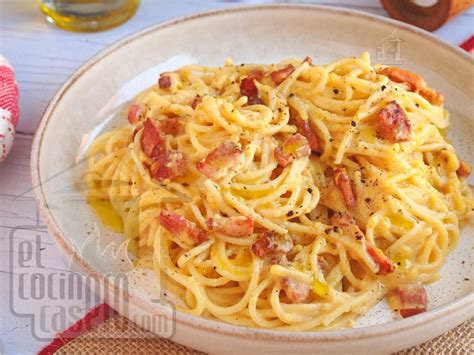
(88, 15)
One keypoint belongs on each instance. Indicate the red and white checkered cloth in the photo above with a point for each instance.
(8, 107)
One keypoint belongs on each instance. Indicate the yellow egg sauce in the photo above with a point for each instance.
(106, 213)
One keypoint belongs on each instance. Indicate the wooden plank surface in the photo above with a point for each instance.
(43, 57)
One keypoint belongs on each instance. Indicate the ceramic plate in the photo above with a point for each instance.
(89, 103)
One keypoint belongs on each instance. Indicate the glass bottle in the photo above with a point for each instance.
(88, 15)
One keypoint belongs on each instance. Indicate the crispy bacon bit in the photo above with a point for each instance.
(271, 244)
(464, 169)
(171, 126)
(164, 81)
(234, 226)
(304, 127)
(296, 291)
(169, 166)
(249, 89)
(217, 161)
(414, 82)
(182, 228)
(413, 299)
(152, 140)
(134, 112)
(196, 101)
(279, 76)
(393, 122)
(294, 147)
(385, 264)
(343, 183)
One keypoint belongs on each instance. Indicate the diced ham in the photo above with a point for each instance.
(343, 183)
(134, 112)
(296, 291)
(464, 169)
(169, 166)
(414, 82)
(249, 89)
(152, 140)
(182, 228)
(171, 126)
(278, 76)
(164, 81)
(240, 226)
(386, 266)
(393, 122)
(271, 244)
(221, 158)
(294, 147)
(413, 299)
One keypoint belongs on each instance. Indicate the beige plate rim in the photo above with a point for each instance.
(367, 332)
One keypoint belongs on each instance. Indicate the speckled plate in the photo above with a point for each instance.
(88, 104)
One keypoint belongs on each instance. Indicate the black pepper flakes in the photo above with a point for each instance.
(368, 199)
(310, 190)
(335, 91)
(353, 123)
(383, 87)
(290, 213)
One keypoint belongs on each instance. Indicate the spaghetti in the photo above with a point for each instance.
(292, 196)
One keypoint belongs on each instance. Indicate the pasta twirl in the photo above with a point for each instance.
(292, 196)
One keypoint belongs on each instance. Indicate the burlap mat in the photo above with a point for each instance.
(120, 336)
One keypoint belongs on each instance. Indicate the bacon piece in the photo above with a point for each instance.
(464, 169)
(217, 161)
(234, 226)
(393, 122)
(171, 126)
(278, 76)
(385, 264)
(413, 299)
(304, 128)
(345, 221)
(308, 60)
(414, 82)
(296, 291)
(134, 112)
(152, 140)
(271, 244)
(164, 81)
(294, 147)
(169, 166)
(343, 183)
(249, 89)
(196, 101)
(182, 228)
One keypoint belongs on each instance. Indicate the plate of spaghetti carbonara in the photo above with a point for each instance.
(266, 186)
(291, 195)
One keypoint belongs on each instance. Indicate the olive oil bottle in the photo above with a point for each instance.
(88, 15)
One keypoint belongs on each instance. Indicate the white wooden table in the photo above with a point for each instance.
(44, 57)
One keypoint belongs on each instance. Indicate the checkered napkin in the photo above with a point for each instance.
(8, 107)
